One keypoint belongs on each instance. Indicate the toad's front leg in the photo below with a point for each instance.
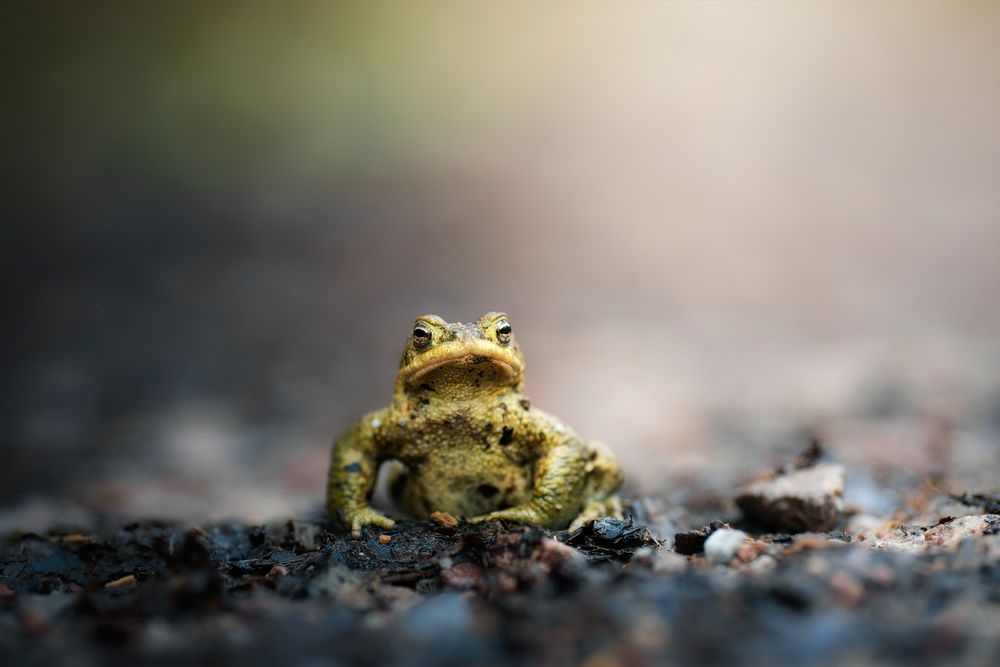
(354, 463)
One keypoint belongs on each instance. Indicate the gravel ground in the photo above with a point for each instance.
(660, 587)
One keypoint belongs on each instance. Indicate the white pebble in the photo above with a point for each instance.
(721, 546)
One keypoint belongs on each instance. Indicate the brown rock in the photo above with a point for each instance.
(444, 519)
(276, 572)
(807, 499)
(692, 542)
(127, 580)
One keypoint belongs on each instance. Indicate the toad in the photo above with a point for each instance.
(463, 439)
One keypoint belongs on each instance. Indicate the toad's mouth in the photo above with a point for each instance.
(470, 353)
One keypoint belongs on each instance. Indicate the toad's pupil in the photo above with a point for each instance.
(504, 330)
(421, 335)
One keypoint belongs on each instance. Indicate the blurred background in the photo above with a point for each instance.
(718, 228)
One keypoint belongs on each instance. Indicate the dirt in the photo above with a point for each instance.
(430, 594)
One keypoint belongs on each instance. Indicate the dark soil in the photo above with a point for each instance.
(297, 593)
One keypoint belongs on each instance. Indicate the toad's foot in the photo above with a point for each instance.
(521, 513)
(597, 509)
(368, 517)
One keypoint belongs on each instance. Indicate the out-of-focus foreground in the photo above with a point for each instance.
(715, 227)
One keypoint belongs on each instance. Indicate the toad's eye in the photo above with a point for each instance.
(421, 336)
(503, 332)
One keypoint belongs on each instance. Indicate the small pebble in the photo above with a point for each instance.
(722, 545)
(277, 572)
(384, 539)
(123, 581)
(444, 519)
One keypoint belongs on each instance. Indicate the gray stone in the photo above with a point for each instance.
(807, 499)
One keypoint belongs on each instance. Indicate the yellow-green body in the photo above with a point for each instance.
(468, 442)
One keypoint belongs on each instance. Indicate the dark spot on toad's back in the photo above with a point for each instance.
(526, 403)
(488, 490)
(424, 400)
(507, 436)
(353, 467)
(426, 387)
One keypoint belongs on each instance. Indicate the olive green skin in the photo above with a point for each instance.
(468, 442)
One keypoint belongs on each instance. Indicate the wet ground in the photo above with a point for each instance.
(642, 591)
